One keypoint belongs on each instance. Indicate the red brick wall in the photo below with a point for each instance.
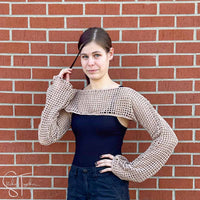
(157, 52)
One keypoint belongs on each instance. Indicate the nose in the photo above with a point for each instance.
(90, 61)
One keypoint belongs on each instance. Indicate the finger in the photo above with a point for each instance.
(67, 77)
(104, 162)
(107, 156)
(108, 169)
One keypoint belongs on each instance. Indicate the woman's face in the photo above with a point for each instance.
(95, 60)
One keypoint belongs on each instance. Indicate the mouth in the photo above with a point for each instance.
(92, 71)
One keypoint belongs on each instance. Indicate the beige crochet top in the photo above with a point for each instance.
(62, 100)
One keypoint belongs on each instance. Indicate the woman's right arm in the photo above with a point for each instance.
(55, 121)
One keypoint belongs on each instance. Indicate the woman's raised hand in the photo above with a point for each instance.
(64, 74)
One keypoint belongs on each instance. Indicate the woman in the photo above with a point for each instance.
(99, 116)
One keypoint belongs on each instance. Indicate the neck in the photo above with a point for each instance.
(103, 83)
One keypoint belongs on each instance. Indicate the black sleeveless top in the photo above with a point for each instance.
(96, 135)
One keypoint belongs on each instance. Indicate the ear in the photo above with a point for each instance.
(111, 53)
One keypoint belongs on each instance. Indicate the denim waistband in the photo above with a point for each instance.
(87, 170)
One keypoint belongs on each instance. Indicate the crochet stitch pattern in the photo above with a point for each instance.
(62, 100)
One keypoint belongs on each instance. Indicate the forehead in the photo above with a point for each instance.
(92, 47)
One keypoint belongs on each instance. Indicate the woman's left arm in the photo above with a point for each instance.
(164, 141)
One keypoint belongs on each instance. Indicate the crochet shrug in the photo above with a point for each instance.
(62, 100)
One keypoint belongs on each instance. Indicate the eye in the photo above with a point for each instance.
(84, 57)
(97, 55)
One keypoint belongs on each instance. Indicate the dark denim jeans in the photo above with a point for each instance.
(87, 183)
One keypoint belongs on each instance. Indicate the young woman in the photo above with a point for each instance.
(99, 116)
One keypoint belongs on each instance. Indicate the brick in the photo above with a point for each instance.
(4, 9)
(187, 147)
(188, 47)
(156, 48)
(125, 48)
(29, 9)
(44, 0)
(5, 60)
(65, 9)
(197, 183)
(149, 183)
(177, 8)
(4, 35)
(13, 0)
(7, 135)
(160, 98)
(176, 34)
(6, 159)
(123, 22)
(176, 183)
(28, 110)
(32, 159)
(123, 73)
(191, 21)
(187, 171)
(63, 61)
(198, 59)
(15, 98)
(187, 123)
(189, 98)
(197, 135)
(197, 85)
(157, 73)
(102, 9)
(47, 22)
(138, 35)
(14, 73)
(49, 171)
(184, 135)
(175, 110)
(62, 158)
(49, 48)
(17, 194)
(31, 85)
(197, 110)
(5, 85)
(138, 135)
(39, 99)
(6, 110)
(196, 160)
(155, 194)
(131, 61)
(15, 147)
(55, 147)
(28, 61)
(139, 9)
(129, 147)
(27, 135)
(59, 182)
(179, 160)
(159, 21)
(198, 34)
(188, 72)
(28, 35)
(15, 123)
(164, 172)
(176, 60)
(141, 85)
(192, 195)
(64, 35)
(83, 22)
(14, 47)
(49, 194)
(13, 22)
(175, 85)
(36, 182)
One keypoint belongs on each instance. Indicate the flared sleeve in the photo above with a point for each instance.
(55, 121)
(163, 143)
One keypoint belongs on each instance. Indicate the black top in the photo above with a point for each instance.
(96, 135)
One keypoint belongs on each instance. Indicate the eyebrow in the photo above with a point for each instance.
(92, 52)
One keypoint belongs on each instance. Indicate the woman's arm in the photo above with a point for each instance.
(162, 146)
(55, 121)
